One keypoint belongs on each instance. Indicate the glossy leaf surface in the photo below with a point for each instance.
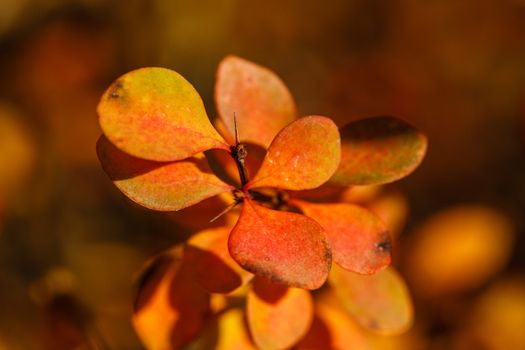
(379, 302)
(163, 186)
(155, 114)
(260, 100)
(278, 316)
(302, 156)
(170, 308)
(208, 259)
(285, 247)
(378, 150)
(360, 241)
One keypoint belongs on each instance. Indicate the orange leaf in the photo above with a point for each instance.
(459, 249)
(155, 114)
(378, 150)
(497, 318)
(198, 216)
(333, 328)
(170, 308)
(233, 334)
(378, 302)
(160, 186)
(285, 247)
(209, 261)
(360, 241)
(302, 156)
(278, 316)
(260, 100)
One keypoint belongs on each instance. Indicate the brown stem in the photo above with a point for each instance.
(239, 153)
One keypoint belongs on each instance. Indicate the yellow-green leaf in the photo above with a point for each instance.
(378, 150)
(156, 114)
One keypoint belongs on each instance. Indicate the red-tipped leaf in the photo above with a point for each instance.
(260, 100)
(302, 156)
(360, 241)
(155, 114)
(285, 247)
(165, 186)
(378, 150)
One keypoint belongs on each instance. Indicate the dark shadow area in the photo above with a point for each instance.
(210, 270)
(269, 291)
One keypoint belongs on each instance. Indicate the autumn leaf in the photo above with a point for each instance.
(481, 238)
(261, 102)
(170, 308)
(209, 262)
(278, 316)
(233, 334)
(379, 302)
(165, 186)
(155, 114)
(497, 317)
(360, 241)
(377, 151)
(285, 247)
(302, 156)
(333, 328)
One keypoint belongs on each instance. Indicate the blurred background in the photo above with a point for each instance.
(70, 243)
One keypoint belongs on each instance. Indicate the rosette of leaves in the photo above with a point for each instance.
(155, 132)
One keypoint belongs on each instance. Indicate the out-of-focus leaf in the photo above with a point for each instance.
(379, 302)
(155, 114)
(458, 249)
(209, 262)
(377, 151)
(261, 102)
(332, 328)
(302, 156)
(392, 209)
(413, 339)
(323, 193)
(170, 308)
(359, 240)
(163, 186)
(233, 334)
(278, 316)
(285, 247)
(497, 319)
(360, 194)
(17, 152)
